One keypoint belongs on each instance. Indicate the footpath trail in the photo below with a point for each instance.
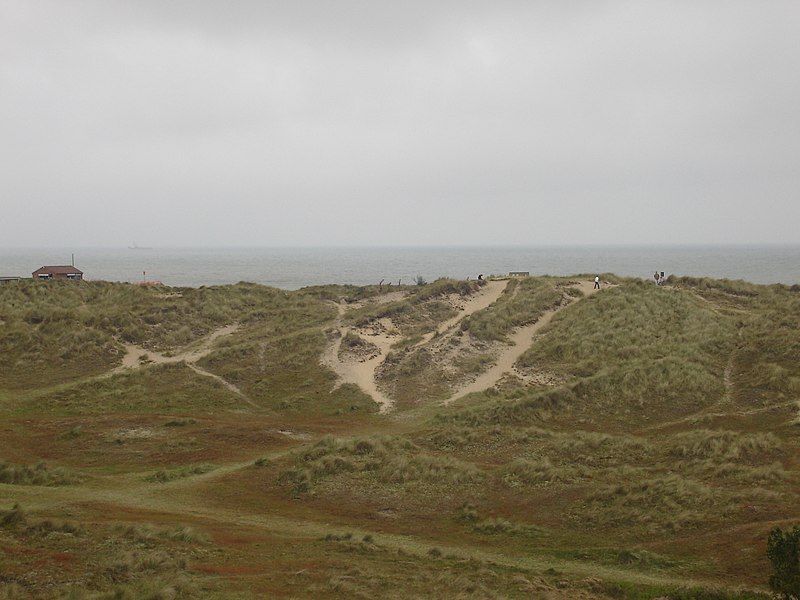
(488, 295)
(184, 500)
(362, 372)
(521, 340)
(137, 357)
(726, 406)
(134, 354)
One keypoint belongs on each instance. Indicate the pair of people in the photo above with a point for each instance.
(659, 277)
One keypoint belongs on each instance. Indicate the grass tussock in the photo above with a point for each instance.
(409, 317)
(522, 472)
(418, 312)
(665, 503)
(596, 454)
(724, 445)
(17, 520)
(38, 474)
(638, 348)
(284, 374)
(532, 408)
(168, 388)
(502, 527)
(122, 562)
(413, 376)
(389, 460)
(149, 534)
(356, 346)
(165, 476)
(770, 476)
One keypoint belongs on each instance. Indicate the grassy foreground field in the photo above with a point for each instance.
(182, 443)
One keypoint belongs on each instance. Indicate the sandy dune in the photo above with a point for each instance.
(362, 373)
(521, 340)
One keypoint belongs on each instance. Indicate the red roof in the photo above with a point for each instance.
(59, 270)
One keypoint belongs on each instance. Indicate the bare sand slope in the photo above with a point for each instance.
(521, 340)
(362, 372)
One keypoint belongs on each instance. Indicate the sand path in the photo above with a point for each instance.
(521, 340)
(488, 295)
(362, 373)
(191, 355)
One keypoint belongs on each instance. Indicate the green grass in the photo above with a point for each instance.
(651, 460)
(523, 302)
(56, 330)
(638, 349)
(284, 374)
(165, 389)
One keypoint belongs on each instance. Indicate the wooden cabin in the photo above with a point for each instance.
(58, 272)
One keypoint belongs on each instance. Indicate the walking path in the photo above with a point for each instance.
(521, 340)
(137, 357)
(195, 352)
(488, 295)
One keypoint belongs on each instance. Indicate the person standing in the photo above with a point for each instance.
(656, 276)
(597, 282)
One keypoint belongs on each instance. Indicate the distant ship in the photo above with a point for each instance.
(135, 247)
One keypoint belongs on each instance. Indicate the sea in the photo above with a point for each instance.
(294, 268)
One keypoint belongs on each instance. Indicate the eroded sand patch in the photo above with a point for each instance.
(361, 370)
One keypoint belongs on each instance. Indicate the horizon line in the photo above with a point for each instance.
(414, 246)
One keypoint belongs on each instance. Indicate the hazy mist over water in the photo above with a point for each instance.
(293, 268)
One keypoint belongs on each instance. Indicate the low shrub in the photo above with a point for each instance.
(163, 476)
(148, 533)
(387, 459)
(39, 474)
(723, 445)
(522, 472)
(783, 551)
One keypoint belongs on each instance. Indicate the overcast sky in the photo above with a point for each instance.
(201, 122)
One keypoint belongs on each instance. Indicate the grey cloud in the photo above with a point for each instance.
(185, 123)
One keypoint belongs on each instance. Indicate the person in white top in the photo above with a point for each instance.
(597, 282)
